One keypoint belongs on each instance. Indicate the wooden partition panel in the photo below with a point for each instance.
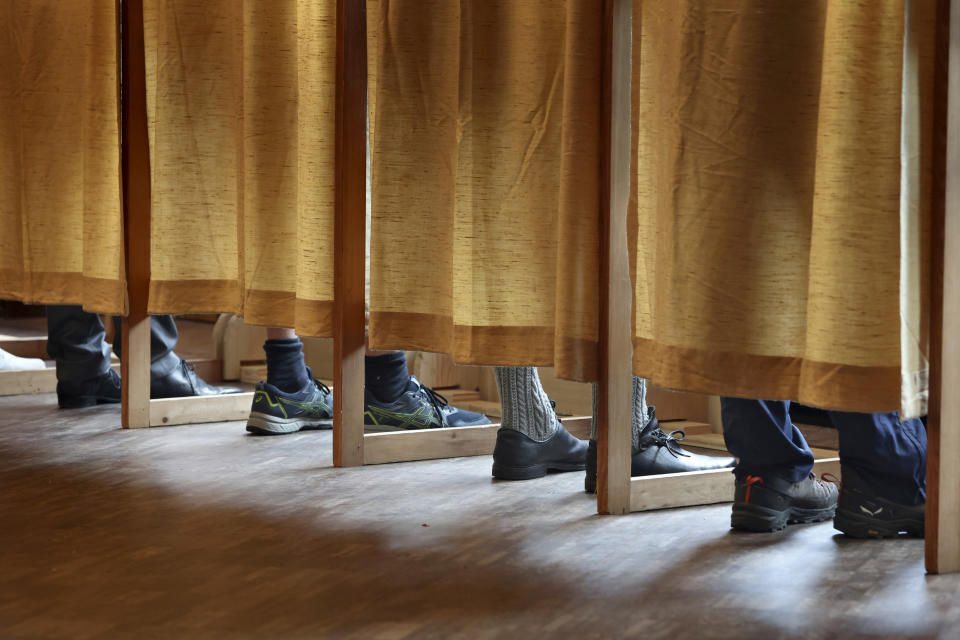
(349, 233)
(137, 410)
(135, 177)
(943, 427)
(615, 390)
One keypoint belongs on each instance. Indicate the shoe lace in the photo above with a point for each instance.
(829, 477)
(751, 480)
(437, 400)
(669, 440)
(323, 388)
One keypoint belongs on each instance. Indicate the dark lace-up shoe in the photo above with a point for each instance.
(658, 453)
(418, 407)
(861, 513)
(184, 382)
(103, 389)
(516, 456)
(770, 503)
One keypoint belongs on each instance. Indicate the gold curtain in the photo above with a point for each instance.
(241, 107)
(61, 228)
(485, 180)
(767, 196)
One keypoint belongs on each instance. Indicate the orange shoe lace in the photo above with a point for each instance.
(751, 480)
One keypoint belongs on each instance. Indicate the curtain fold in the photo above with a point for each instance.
(61, 227)
(241, 107)
(485, 180)
(767, 199)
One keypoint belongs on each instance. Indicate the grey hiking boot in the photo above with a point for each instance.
(770, 503)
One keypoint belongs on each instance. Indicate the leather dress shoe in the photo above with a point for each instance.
(103, 389)
(183, 382)
(658, 453)
(519, 457)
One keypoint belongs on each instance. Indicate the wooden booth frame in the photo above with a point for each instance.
(137, 409)
(617, 492)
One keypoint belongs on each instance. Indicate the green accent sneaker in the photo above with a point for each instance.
(418, 407)
(275, 412)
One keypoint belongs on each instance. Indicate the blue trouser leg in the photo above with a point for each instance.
(890, 455)
(163, 340)
(760, 434)
(75, 339)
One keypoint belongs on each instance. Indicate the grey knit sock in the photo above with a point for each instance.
(593, 416)
(639, 415)
(524, 404)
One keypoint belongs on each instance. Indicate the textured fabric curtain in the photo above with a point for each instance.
(768, 198)
(485, 171)
(241, 107)
(61, 229)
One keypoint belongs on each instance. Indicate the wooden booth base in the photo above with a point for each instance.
(168, 412)
(697, 488)
(432, 444)
(13, 383)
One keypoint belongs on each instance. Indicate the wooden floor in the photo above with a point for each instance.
(204, 532)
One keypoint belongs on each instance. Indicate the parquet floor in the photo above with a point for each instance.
(204, 532)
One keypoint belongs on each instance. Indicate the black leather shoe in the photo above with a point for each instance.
(519, 457)
(103, 389)
(183, 381)
(658, 453)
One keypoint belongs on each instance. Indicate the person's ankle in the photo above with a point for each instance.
(286, 369)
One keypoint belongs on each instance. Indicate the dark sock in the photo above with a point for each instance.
(285, 367)
(387, 375)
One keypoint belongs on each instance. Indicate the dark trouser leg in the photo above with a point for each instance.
(890, 455)
(75, 339)
(761, 435)
(163, 339)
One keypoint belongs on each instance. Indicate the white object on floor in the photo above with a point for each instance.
(10, 362)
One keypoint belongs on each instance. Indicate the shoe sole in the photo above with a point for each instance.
(504, 472)
(387, 428)
(751, 517)
(266, 425)
(590, 484)
(857, 525)
(82, 402)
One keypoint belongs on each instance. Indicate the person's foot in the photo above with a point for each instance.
(658, 453)
(10, 362)
(770, 503)
(517, 456)
(103, 389)
(183, 382)
(418, 407)
(861, 513)
(275, 412)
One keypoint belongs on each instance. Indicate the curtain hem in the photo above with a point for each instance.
(820, 384)
(97, 295)
(519, 346)
(313, 318)
(194, 296)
